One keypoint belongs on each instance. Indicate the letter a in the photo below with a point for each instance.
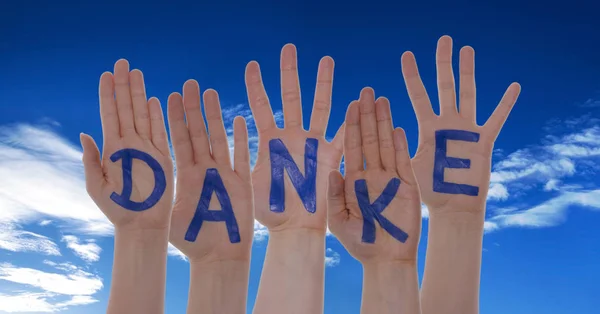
(213, 183)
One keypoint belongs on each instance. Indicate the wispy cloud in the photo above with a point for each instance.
(558, 173)
(68, 285)
(332, 258)
(89, 251)
(16, 240)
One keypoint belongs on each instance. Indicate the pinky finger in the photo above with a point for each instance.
(403, 164)
(157, 126)
(496, 121)
(241, 158)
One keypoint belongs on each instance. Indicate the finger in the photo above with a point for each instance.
(140, 104)
(415, 88)
(322, 104)
(445, 76)
(336, 203)
(290, 87)
(467, 84)
(94, 177)
(123, 96)
(180, 137)
(157, 126)
(195, 120)
(500, 114)
(368, 129)
(403, 163)
(257, 97)
(217, 135)
(338, 139)
(385, 129)
(353, 155)
(241, 158)
(108, 109)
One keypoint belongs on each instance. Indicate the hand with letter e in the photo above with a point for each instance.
(132, 183)
(213, 214)
(453, 165)
(290, 182)
(375, 211)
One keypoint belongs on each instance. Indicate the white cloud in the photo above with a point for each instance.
(552, 185)
(15, 240)
(497, 191)
(75, 282)
(558, 173)
(44, 223)
(547, 214)
(48, 291)
(332, 258)
(89, 252)
(37, 157)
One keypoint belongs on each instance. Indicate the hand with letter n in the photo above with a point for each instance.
(213, 215)
(375, 211)
(453, 166)
(132, 183)
(290, 180)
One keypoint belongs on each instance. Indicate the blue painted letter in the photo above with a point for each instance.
(160, 183)
(213, 183)
(372, 212)
(305, 185)
(442, 161)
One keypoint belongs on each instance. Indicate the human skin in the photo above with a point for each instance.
(453, 262)
(129, 120)
(219, 269)
(390, 280)
(292, 280)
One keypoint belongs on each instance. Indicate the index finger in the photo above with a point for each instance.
(257, 97)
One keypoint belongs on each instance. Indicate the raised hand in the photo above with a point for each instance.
(452, 166)
(133, 185)
(453, 160)
(213, 215)
(133, 182)
(290, 175)
(290, 182)
(375, 211)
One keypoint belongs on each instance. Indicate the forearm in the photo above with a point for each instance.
(218, 287)
(139, 269)
(390, 287)
(292, 278)
(453, 264)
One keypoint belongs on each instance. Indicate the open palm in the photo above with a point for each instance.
(129, 122)
(369, 133)
(198, 155)
(294, 212)
(449, 184)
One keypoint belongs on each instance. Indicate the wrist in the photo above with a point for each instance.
(142, 236)
(469, 220)
(389, 265)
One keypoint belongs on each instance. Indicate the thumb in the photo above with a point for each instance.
(94, 177)
(336, 202)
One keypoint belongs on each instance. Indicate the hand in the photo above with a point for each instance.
(369, 132)
(134, 131)
(289, 209)
(199, 170)
(458, 135)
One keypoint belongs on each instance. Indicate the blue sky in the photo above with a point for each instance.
(541, 248)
